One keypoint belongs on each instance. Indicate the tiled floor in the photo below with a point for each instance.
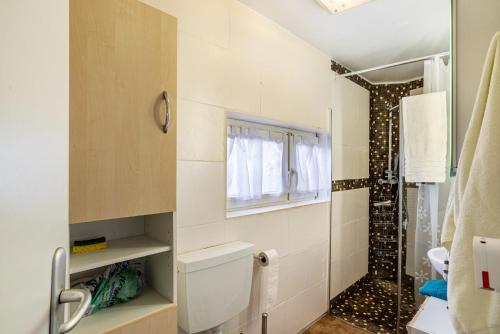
(373, 306)
(332, 325)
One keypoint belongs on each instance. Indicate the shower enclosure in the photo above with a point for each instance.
(376, 302)
(400, 227)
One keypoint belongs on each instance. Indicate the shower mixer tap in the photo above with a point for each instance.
(390, 179)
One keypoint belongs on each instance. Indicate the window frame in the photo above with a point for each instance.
(289, 196)
(293, 194)
(266, 200)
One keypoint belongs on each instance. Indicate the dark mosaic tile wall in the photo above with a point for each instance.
(384, 221)
(341, 185)
(339, 69)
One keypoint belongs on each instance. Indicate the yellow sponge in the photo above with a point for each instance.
(89, 248)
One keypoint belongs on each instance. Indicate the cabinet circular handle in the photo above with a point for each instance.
(166, 126)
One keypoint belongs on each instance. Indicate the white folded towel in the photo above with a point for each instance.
(425, 131)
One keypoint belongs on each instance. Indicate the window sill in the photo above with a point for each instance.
(255, 211)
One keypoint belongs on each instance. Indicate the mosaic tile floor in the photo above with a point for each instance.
(373, 306)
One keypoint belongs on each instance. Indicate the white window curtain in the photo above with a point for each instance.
(269, 165)
(325, 163)
(255, 164)
(312, 165)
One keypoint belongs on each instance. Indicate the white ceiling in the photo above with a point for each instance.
(377, 33)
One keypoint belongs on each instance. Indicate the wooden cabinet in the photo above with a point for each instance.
(149, 314)
(153, 311)
(162, 322)
(122, 58)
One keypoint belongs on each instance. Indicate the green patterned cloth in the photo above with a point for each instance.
(119, 283)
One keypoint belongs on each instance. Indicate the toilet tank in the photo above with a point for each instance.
(213, 285)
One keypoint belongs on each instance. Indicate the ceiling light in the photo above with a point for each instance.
(336, 6)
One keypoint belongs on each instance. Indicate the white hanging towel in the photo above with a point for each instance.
(425, 131)
(474, 206)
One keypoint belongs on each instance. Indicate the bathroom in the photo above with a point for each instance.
(326, 237)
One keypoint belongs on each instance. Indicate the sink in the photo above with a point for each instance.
(438, 256)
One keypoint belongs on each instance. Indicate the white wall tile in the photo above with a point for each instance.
(278, 319)
(291, 279)
(338, 207)
(350, 233)
(201, 132)
(200, 192)
(349, 272)
(265, 231)
(349, 165)
(350, 205)
(349, 238)
(358, 264)
(364, 164)
(350, 130)
(252, 33)
(299, 271)
(362, 233)
(362, 203)
(336, 269)
(207, 20)
(336, 242)
(318, 267)
(244, 76)
(337, 160)
(363, 262)
(295, 87)
(307, 226)
(350, 162)
(191, 238)
(202, 66)
(307, 306)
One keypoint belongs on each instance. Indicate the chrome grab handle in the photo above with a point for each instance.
(82, 296)
(166, 126)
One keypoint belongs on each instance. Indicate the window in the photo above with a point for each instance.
(269, 165)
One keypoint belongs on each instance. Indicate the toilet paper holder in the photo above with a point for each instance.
(262, 259)
(264, 323)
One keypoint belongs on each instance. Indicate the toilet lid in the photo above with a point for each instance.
(213, 256)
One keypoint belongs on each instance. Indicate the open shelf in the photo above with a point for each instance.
(147, 304)
(118, 250)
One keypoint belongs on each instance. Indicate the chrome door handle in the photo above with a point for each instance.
(166, 126)
(82, 296)
(61, 295)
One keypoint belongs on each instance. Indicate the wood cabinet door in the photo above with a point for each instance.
(123, 56)
(162, 322)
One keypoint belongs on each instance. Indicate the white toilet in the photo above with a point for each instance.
(213, 285)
